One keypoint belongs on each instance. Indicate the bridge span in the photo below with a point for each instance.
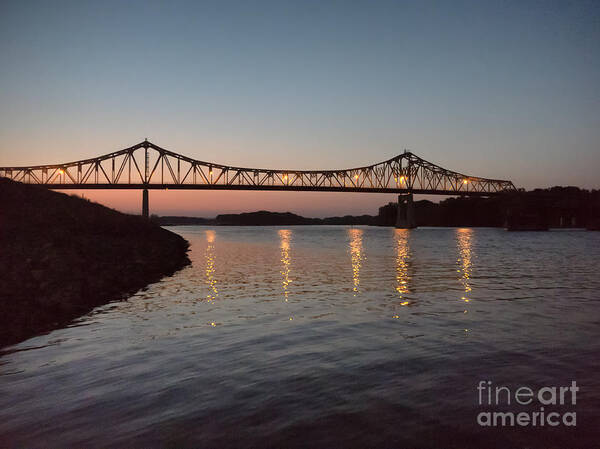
(147, 166)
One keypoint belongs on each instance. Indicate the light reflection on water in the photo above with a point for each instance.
(402, 265)
(285, 236)
(464, 238)
(355, 236)
(210, 266)
(337, 336)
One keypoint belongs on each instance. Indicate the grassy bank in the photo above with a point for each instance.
(61, 256)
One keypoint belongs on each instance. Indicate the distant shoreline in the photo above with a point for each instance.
(538, 210)
(264, 218)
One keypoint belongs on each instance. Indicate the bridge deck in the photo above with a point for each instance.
(263, 188)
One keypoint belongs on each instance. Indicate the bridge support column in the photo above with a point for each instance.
(405, 216)
(145, 208)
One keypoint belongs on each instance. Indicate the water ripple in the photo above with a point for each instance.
(341, 336)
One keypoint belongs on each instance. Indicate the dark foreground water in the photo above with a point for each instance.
(325, 337)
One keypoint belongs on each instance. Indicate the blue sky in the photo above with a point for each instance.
(496, 89)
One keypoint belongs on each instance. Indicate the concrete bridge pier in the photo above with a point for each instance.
(145, 208)
(405, 216)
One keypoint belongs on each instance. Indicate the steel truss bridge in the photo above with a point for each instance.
(148, 166)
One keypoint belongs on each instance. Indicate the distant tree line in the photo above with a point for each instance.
(553, 207)
(536, 209)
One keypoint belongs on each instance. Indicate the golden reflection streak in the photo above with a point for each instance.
(285, 236)
(209, 256)
(402, 259)
(356, 254)
(464, 239)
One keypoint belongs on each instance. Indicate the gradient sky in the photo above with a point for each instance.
(497, 89)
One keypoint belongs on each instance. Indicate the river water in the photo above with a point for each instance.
(323, 337)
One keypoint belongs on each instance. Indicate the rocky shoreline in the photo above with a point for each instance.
(63, 255)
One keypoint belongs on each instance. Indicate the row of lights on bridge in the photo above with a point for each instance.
(285, 176)
(401, 179)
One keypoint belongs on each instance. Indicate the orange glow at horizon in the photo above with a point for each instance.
(210, 203)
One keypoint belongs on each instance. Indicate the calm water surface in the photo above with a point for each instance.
(321, 337)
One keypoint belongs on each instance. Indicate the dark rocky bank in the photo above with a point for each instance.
(63, 255)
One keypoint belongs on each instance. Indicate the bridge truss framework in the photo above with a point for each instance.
(148, 166)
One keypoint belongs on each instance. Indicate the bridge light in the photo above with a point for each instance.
(465, 181)
(61, 171)
(401, 178)
(355, 176)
